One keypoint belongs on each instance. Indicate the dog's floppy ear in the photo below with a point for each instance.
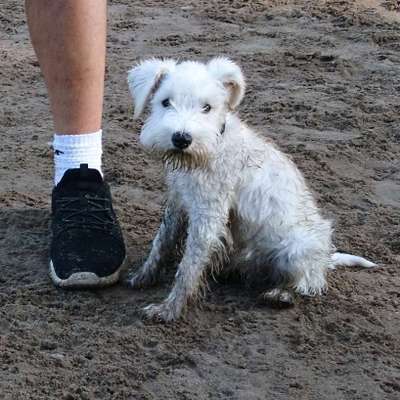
(230, 75)
(143, 80)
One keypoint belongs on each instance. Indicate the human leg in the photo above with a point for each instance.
(69, 36)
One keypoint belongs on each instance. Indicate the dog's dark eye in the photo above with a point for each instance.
(207, 108)
(166, 103)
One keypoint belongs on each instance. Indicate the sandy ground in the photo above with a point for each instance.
(324, 82)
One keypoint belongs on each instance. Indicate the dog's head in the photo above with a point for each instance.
(189, 103)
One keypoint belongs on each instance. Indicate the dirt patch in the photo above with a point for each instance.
(323, 81)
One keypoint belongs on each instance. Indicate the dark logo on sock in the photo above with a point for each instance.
(58, 152)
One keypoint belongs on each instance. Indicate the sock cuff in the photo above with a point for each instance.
(72, 150)
(85, 139)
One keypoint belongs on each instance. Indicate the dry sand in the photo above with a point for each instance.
(324, 82)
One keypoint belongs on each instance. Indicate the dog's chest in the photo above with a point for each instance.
(198, 189)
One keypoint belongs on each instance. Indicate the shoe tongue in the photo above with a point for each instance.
(82, 178)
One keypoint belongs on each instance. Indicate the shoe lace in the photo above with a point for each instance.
(86, 210)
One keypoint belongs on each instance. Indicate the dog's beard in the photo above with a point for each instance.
(185, 160)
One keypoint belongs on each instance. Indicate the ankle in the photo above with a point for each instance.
(72, 150)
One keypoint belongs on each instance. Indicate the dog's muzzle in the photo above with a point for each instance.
(181, 140)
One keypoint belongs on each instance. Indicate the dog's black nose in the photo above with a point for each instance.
(181, 140)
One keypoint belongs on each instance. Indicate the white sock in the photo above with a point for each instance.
(72, 150)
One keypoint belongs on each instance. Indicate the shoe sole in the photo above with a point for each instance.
(85, 280)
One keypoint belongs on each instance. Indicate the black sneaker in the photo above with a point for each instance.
(87, 248)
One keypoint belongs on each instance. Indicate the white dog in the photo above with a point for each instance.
(236, 195)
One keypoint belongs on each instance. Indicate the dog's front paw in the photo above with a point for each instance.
(165, 312)
(140, 280)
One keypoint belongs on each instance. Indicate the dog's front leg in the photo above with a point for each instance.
(163, 246)
(205, 234)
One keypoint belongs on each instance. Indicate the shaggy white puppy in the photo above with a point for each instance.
(234, 194)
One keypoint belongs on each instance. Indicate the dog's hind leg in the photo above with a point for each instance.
(164, 244)
(277, 297)
(304, 265)
(203, 241)
(307, 275)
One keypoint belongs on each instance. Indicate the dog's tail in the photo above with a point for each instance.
(348, 260)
